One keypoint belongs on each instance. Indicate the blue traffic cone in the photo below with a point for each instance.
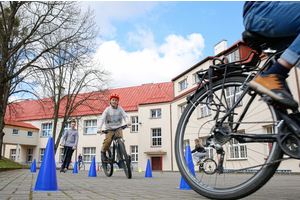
(33, 166)
(148, 173)
(75, 170)
(46, 180)
(189, 161)
(92, 172)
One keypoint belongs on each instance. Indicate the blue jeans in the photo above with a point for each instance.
(277, 19)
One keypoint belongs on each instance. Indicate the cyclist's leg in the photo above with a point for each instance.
(69, 156)
(106, 144)
(276, 19)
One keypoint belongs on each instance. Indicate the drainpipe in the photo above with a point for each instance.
(171, 137)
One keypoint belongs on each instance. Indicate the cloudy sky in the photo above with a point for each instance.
(154, 41)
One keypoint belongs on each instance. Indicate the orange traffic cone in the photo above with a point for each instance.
(98, 168)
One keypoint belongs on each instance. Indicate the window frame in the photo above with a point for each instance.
(181, 85)
(204, 110)
(41, 154)
(134, 154)
(93, 127)
(29, 135)
(156, 141)
(29, 155)
(240, 147)
(15, 132)
(47, 130)
(157, 115)
(13, 155)
(134, 124)
(88, 156)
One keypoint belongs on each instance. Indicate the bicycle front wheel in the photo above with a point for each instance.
(247, 166)
(124, 159)
(107, 166)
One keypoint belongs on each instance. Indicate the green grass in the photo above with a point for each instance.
(6, 163)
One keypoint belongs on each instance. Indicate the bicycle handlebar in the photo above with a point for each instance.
(121, 127)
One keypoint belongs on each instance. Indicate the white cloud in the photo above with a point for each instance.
(152, 64)
(108, 11)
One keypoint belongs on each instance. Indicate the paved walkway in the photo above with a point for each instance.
(17, 184)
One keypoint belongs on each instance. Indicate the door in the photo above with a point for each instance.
(156, 164)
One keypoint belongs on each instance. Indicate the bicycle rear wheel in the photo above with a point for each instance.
(124, 159)
(244, 163)
(107, 166)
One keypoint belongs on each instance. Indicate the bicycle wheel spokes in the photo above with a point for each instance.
(106, 165)
(243, 162)
(124, 159)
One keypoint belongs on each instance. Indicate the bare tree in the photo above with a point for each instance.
(67, 82)
(33, 31)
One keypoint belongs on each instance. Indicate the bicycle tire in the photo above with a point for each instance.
(209, 166)
(81, 167)
(124, 159)
(191, 126)
(107, 166)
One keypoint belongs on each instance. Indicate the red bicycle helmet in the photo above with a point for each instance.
(114, 95)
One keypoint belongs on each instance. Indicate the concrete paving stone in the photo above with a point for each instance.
(18, 183)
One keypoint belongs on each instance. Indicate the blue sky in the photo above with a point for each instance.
(154, 41)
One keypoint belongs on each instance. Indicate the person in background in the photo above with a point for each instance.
(199, 151)
(69, 141)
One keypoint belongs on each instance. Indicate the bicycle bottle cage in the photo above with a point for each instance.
(260, 43)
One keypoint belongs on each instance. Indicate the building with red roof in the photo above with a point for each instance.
(154, 111)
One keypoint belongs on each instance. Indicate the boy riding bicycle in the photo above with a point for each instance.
(112, 117)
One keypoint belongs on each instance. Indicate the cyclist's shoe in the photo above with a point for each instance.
(274, 86)
(65, 170)
(120, 164)
(61, 169)
(104, 157)
(198, 163)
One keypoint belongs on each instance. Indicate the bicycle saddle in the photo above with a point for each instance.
(259, 42)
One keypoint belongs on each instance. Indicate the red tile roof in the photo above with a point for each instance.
(130, 98)
(19, 124)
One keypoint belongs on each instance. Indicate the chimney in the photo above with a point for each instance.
(221, 46)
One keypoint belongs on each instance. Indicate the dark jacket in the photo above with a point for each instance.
(198, 148)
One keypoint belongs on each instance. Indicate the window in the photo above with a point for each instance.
(156, 113)
(15, 132)
(196, 79)
(182, 107)
(42, 152)
(134, 124)
(183, 85)
(237, 150)
(91, 127)
(234, 56)
(13, 154)
(134, 153)
(46, 130)
(29, 155)
(232, 95)
(156, 137)
(204, 109)
(67, 127)
(89, 153)
(29, 134)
